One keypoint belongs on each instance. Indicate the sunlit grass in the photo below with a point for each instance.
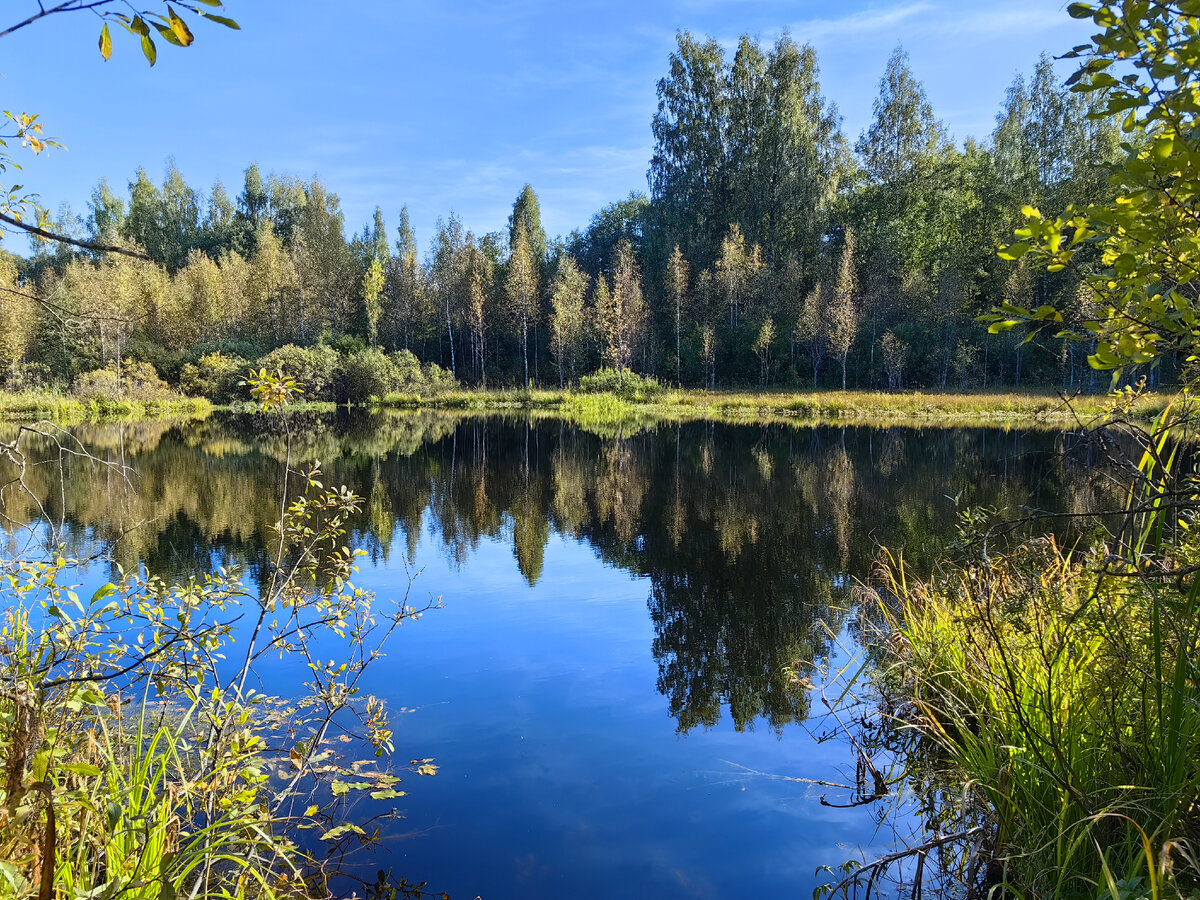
(67, 408)
(864, 407)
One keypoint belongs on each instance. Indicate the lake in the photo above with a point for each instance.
(624, 679)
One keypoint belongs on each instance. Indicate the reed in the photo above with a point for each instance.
(1058, 689)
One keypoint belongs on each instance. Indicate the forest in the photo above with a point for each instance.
(771, 250)
(1009, 619)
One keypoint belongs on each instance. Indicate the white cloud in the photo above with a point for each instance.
(868, 21)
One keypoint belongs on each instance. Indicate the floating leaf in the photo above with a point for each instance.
(387, 794)
(341, 831)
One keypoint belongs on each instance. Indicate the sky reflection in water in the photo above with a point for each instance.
(604, 690)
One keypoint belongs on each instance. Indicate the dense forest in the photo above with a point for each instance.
(769, 251)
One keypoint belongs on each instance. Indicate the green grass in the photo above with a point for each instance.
(1055, 695)
(66, 408)
(864, 407)
(602, 409)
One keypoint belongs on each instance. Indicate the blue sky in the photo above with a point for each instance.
(454, 106)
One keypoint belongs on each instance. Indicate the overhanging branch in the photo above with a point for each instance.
(63, 239)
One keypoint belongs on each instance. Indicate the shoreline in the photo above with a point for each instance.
(951, 409)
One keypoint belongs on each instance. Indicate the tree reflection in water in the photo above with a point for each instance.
(749, 536)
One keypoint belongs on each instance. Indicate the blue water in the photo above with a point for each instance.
(603, 687)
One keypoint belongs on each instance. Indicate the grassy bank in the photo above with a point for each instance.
(607, 409)
(1048, 699)
(862, 407)
(66, 408)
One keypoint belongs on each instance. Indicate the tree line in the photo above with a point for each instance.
(769, 251)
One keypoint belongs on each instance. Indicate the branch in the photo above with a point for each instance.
(63, 239)
(884, 861)
(66, 6)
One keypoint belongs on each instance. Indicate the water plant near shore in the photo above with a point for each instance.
(1048, 697)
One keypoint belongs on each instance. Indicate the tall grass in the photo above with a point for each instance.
(158, 832)
(66, 407)
(1059, 690)
(866, 407)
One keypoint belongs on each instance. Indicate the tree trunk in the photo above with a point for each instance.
(678, 358)
(450, 337)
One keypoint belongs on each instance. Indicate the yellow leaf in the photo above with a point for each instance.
(180, 28)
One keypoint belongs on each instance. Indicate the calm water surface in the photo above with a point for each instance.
(606, 690)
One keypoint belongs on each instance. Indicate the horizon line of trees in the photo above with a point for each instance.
(769, 251)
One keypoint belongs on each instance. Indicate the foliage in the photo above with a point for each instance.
(628, 386)
(136, 381)
(366, 374)
(215, 376)
(895, 355)
(199, 790)
(26, 128)
(1140, 68)
(314, 368)
(1065, 703)
(752, 187)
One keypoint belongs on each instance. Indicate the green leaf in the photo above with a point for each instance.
(149, 50)
(341, 788)
(82, 769)
(168, 35)
(221, 20)
(387, 794)
(341, 831)
(1079, 11)
(105, 42)
(1013, 252)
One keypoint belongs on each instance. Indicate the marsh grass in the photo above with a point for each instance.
(825, 407)
(1057, 690)
(28, 405)
(157, 831)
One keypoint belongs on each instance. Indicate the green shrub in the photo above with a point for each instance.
(345, 344)
(438, 379)
(366, 374)
(137, 381)
(314, 368)
(167, 363)
(409, 377)
(34, 376)
(215, 376)
(626, 385)
(414, 378)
